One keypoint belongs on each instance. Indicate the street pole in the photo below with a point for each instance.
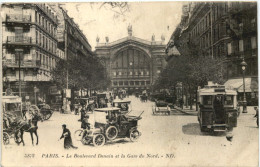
(19, 68)
(244, 64)
(244, 101)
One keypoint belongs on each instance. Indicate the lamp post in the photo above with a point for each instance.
(243, 65)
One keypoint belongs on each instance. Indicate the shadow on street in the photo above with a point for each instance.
(194, 129)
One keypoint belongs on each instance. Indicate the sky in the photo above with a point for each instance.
(146, 18)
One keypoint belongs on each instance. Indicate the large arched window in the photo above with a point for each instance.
(131, 59)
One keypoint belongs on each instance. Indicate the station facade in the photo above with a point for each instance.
(132, 63)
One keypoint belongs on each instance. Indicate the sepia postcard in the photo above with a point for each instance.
(129, 84)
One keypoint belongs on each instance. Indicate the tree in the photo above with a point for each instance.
(83, 73)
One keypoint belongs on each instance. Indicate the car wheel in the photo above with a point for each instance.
(99, 140)
(111, 132)
(85, 140)
(134, 135)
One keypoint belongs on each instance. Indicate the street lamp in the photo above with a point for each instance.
(243, 65)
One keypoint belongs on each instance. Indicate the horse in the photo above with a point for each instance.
(31, 127)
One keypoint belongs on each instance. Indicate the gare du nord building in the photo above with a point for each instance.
(132, 63)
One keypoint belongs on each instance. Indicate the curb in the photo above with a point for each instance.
(185, 112)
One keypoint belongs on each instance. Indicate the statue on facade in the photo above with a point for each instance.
(153, 37)
(130, 30)
(107, 39)
(97, 39)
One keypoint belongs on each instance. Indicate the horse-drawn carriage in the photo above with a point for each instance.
(12, 116)
(161, 107)
(111, 124)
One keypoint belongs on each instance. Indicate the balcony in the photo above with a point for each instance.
(18, 18)
(43, 7)
(12, 63)
(18, 40)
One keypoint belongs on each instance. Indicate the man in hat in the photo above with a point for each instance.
(67, 138)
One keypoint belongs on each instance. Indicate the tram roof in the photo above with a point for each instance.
(217, 91)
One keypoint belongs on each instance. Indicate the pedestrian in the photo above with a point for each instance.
(67, 138)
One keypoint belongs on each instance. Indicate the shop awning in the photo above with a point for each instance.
(251, 84)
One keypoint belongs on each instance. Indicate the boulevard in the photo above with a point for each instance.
(174, 139)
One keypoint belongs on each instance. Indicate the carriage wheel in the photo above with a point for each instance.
(99, 140)
(47, 116)
(6, 138)
(17, 137)
(111, 132)
(134, 135)
(78, 134)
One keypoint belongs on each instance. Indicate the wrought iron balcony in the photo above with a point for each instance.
(18, 18)
(23, 64)
(19, 39)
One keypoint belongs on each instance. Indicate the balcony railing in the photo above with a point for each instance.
(47, 12)
(23, 64)
(18, 39)
(18, 18)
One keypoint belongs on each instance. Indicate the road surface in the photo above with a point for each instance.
(173, 140)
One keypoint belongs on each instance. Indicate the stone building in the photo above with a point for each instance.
(29, 47)
(132, 63)
(222, 29)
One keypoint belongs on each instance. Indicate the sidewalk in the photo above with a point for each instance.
(187, 110)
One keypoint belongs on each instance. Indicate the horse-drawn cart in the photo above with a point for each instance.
(12, 116)
(161, 107)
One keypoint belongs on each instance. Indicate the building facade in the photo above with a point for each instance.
(29, 46)
(223, 29)
(132, 63)
(35, 36)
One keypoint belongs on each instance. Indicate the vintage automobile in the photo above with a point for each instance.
(109, 125)
(217, 108)
(161, 107)
(124, 105)
(12, 115)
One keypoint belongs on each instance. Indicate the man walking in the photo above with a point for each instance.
(67, 138)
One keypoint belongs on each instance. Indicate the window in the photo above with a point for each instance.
(228, 100)
(253, 24)
(36, 17)
(207, 100)
(253, 42)
(120, 83)
(229, 48)
(126, 83)
(241, 45)
(147, 73)
(114, 73)
(136, 82)
(130, 73)
(120, 73)
(36, 37)
(115, 83)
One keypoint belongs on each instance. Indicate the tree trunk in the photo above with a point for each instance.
(196, 99)
(190, 97)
